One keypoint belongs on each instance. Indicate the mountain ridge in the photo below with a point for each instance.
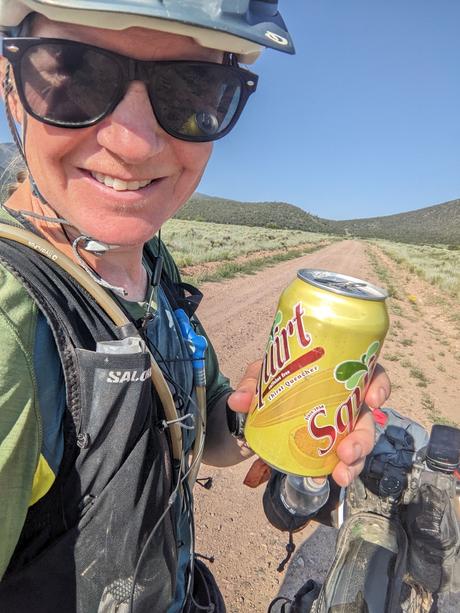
(438, 223)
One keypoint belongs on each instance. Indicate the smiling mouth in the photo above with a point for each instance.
(118, 184)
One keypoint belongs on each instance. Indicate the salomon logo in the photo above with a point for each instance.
(123, 376)
(276, 38)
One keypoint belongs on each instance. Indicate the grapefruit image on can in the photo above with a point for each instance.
(322, 349)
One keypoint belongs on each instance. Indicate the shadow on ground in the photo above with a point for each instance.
(311, 560)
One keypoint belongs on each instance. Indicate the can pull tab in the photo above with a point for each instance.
(196, 345)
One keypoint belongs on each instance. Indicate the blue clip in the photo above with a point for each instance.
(196, 345)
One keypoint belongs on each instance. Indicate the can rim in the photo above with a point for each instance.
(344, 284)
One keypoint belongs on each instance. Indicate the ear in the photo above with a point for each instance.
(13, 100)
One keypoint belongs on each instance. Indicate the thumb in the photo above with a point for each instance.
(241, 399)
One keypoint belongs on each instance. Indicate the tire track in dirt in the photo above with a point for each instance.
(238, 314)
(422, 350)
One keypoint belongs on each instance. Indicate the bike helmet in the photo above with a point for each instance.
(242, 27)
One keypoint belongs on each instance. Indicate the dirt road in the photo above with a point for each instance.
(421, 355)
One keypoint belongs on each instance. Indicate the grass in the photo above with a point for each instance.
(433, 414)
(193, 243)
(382, 273)
(437, 264)
(392, 357)
(418, 374)
(227, 270)
(397, 310)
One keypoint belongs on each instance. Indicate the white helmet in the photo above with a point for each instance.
(242, 27)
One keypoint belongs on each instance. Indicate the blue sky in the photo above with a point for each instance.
(363, 121)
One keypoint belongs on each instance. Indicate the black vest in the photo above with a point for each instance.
(103, 538)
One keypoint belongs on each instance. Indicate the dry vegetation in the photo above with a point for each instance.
(210, 251)
(422, 350)
(439, 265)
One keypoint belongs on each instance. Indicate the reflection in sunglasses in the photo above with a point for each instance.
(195, 100)
(60, 83)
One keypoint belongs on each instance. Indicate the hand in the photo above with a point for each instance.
(352, 451)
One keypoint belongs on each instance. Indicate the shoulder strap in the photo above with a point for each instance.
(73, 316)
(80, 312)
(180, 295)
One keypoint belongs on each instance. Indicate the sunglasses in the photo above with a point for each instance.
(69, 84)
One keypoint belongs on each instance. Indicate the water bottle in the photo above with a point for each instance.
(303, 496)
(290, 501)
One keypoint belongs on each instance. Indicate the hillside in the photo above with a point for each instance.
(434, 224)
(265, 214)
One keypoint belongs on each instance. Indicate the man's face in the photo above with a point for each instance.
(96, 177)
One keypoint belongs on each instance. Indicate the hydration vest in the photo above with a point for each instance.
(103, 539)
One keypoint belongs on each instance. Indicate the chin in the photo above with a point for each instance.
(129, 235)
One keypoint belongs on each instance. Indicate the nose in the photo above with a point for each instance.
(131, 131)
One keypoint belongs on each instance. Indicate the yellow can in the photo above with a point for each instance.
(323, 346)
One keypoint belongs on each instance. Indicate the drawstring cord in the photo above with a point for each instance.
(290, 548)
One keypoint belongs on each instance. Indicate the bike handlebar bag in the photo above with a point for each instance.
(370, 561)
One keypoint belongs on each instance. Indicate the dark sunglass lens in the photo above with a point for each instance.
(195, 100)
(68, 84)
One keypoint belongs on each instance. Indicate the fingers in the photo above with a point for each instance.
(241, 399)
(353, 450)
(379, 389)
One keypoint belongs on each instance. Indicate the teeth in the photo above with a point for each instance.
(119, 185)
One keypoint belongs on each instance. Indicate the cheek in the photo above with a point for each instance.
(193, 158)
(47, 148)
(54, 142)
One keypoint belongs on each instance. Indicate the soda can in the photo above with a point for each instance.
(323, 346)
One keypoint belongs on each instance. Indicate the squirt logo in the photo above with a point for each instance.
(355, 375)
